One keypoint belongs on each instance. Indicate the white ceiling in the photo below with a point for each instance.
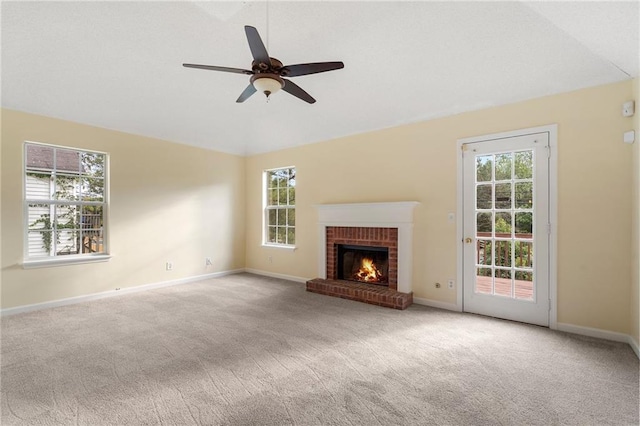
(118, 65)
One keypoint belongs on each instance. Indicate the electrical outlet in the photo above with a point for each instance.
(451, 284)
(169, 266)
(207, 261)
(437, 285)
(270, 259)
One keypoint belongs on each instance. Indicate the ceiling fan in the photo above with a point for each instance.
(267, 72)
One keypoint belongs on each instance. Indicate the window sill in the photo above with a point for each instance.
(279, 246)
(64, 261)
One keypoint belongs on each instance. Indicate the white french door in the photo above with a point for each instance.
(506, 228)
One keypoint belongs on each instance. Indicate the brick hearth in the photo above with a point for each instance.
(368, 293)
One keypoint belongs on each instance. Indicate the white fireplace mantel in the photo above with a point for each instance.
(381, 215)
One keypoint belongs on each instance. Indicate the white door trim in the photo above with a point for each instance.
(552, 130)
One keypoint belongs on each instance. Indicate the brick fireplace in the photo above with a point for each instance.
(372, 226)
(365, 237)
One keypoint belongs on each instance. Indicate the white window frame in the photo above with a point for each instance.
(60, 260)
(266, 208)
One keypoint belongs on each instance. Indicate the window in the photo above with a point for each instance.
(65, 202)
(280, 206)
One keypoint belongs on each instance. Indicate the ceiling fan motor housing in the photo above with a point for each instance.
(262, 67)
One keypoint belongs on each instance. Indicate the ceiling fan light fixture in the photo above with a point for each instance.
(267, 83)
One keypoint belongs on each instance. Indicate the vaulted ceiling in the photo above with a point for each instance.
(118, 65)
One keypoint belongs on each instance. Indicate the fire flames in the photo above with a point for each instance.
(368, 272)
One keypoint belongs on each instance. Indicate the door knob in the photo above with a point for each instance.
(468, 240)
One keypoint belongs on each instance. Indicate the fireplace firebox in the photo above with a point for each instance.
(366, 264)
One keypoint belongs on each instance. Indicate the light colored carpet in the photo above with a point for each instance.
(248, 350)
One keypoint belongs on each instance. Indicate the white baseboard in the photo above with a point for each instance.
(634, 345)
(436, 304)
(112, 293)
(274, 275)
(593, 332)
(601, 334)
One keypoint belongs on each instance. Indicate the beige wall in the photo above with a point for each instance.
(417, 162)
(635, 283)
(169, 202)
(2, 191)
(178, 203)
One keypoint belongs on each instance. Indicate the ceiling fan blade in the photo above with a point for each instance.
(313, 68)
(258, 50)
(250, 90)
(295, 90)
(215, 68)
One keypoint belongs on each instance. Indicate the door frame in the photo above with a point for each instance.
(552, 131)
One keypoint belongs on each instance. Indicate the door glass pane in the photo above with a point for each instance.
(503, 282)
(484, 164)
(484, 281)
(523, 284)
(483, 252)
(524, 195)
(503, 166)
(524, 224)
(503, 225)
(523, 254)
(502, 253)
(483, 224)
(503, 196)
(483, 196)
(524, 165)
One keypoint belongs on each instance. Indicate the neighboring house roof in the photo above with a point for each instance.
(42, 157)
